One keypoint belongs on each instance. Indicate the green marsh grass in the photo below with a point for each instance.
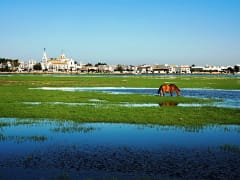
(214, 82)
(193, 116)
(15, 90)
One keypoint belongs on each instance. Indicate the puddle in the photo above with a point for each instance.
(126, 151)
(73, 104)
(96, 100)
(112, 90)
(32, 103)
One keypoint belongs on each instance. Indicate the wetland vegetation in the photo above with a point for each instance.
(132, 143)
(20, 99)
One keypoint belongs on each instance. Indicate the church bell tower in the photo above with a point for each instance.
(44, 62)
(44, 58)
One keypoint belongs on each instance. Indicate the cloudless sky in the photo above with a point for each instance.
(123, 31)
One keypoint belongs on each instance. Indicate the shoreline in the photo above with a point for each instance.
(118, 73)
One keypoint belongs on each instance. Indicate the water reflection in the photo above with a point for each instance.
(119, 150)
(168, 104)
(117, 134)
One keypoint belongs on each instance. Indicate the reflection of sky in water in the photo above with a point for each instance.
(115, 135)
(213, 93)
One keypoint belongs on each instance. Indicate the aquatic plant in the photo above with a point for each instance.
(2, 137)
(2, 124)
(21, 139)
(230, 148)
(73, 129)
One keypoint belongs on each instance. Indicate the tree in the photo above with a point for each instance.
(236, 68)
(119, 68)
(100, 63)
(14, 63)
(37, 67)
(230, 70)
(88, 64)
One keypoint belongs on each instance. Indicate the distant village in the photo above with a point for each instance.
(62, 64)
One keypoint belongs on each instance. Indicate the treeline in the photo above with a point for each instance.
(8, 65)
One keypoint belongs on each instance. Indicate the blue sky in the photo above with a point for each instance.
(123, 31)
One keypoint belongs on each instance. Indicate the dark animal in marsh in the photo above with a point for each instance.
(168, 88)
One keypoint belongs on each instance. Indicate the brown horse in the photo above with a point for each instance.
(168, 88)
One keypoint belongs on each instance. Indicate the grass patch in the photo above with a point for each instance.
(213, 82)
(192, 116)
(15, 90)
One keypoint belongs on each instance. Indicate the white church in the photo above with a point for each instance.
(62, 63)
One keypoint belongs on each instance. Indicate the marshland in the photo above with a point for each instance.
(118, 127)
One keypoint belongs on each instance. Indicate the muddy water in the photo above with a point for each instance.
(57, 150)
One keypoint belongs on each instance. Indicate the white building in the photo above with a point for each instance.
(106, 68)
(183, 69)
(22, 66)
(31, 64)
(172, 69)
(144, 69)
(160, 69)
(62, 63)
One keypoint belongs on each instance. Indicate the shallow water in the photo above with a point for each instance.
(116, 150)
(230, 98)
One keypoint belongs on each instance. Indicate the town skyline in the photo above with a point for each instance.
(63, 64)
(123, 32)
(100, 61)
